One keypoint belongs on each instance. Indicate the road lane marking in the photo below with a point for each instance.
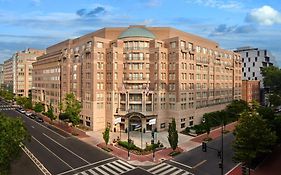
(181, 164)
(198, 164)
(32, 127)
(104, 160)
(41, 125)
(66, 148)
(42, 168)
(52, 152)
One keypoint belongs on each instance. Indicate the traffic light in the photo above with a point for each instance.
(204, 146)
(220, 165)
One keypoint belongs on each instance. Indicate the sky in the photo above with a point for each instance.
(231, 23)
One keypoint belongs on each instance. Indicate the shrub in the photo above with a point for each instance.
(130, 146)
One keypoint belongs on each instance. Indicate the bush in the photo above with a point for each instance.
(151, 147)
(130, 146)
(200, 129)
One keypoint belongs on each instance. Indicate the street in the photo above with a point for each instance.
(63, 154)
(207, 163)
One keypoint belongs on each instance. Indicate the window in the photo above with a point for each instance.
(99, 45)
(162, 125)
(173, 44)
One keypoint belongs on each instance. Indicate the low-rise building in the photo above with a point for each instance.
(251, 90)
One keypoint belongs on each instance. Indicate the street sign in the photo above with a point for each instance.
(152, 121)
(117, 120)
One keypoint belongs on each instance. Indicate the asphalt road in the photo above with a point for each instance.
(206, 163)
(63, 154)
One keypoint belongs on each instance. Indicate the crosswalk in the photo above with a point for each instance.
(167, 169)
(111, 168)
(6, 107)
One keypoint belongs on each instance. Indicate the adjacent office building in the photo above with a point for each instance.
(151, 72)
(253, 60)
(18, 71)
(9, 69)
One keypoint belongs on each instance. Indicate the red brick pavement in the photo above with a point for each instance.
(123, 154)
(214, 133)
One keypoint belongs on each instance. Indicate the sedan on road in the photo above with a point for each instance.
(28, 113)
(39, 119)
(21, 110)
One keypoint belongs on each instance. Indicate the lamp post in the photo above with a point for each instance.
(128, 130)
(221, 151)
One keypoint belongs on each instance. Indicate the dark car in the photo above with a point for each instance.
(32, 116)
(39, 119)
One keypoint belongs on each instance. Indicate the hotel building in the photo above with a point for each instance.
(153, 72)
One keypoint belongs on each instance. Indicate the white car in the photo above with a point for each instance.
(27, 113)
(22, 111)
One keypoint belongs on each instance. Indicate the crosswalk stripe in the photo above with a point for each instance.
(84, 173)
(109, 170)
(176, 172)
(161, 169)
(101, 171)
(126, 164)
(116, 168)
(93, 172)
(121, 166)
(168, 171)
(156, 167)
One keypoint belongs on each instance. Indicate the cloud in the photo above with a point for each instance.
(91, 13)
(223, 29)
(153, 3)
(229, 4)
(265, 15)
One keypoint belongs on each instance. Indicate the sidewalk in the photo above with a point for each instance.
(214, 133)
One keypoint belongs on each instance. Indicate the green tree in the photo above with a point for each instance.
(25, 102)
(38, 107)
(72, 108)
(274, 100)
(50, 113)
(173, 134)
(12, 133)
(236, 107)
(253, 138)
(272, 78)
(105, 135)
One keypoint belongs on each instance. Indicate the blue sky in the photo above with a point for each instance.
(231, 23)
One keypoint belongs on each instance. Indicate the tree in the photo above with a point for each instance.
(72, 108)
(25, 102)
(236, 107)
(105, 135)
(253, 138)
(274, 100)
(50, 113)
(272, 78)
(12, 133)
(38, 107)
(173, 134)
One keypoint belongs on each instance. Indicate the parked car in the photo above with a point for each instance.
(22, 111)
(39, 119)
(28, 113)
(33, 116)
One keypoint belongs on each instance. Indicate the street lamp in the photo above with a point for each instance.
(220, 152)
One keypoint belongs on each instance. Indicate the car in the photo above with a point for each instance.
(22, 111)
(32, 116)
(28, 113)
(39, 119)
